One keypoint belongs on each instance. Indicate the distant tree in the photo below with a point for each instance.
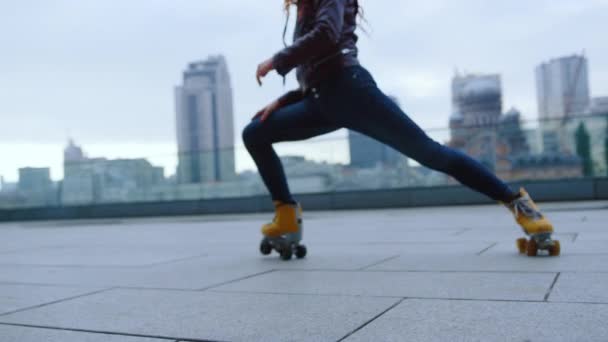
(583, 149)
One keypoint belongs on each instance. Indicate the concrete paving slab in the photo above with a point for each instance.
(191, 274)
(132, 234)
(403, 248)
(445, 320)
(499, 286)
(85, 276)
(594, 236)
(27, 334)
(381, 235)
(17, 296)
(593, 247)
(96, 256)
(331, 260)
(215, 316)
(442, 248)
(195, 273)
(498, 262)
(581, 287)
(465, 254)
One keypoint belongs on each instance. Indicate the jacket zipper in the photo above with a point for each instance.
(342, 52)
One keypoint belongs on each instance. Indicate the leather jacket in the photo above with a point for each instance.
(324, 42)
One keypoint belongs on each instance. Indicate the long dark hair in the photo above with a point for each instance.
(288, 3)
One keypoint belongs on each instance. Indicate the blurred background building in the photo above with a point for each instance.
(366, 152)
(476, 114)
(99, 180)
(205, 123)
(562, 90)
(498, 140)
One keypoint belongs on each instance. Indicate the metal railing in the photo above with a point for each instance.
(515, 149)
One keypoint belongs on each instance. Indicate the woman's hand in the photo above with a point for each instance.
(263, 69)
(266, 111)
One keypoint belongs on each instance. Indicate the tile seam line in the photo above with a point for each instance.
(103, 332)
(25, 283)
(303, 294)
(487, 248)
(550, 290)
(379, 262)
(509, 301)
(328, 270)
(84, 266)
(172, 261)
(56, 301)
(539, 301)
(236, 280)
(382, 313)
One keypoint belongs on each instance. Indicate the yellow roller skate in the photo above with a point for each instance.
(284, 233)
(534, 224)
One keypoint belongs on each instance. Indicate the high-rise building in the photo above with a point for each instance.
(366, 152)
(477, 99)
(73, 153)
(562, 90)
(562, 87)
(480, 129)
(477, 112)
(80, 183)
(34, 179)
(36, 187)
(205, 128)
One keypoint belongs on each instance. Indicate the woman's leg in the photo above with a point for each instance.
(380, 118)
(298, 121)
(356, 103)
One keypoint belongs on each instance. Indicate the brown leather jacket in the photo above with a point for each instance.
(324, 42)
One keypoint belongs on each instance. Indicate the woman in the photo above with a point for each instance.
(335, 92)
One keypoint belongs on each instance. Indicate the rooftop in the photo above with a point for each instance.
(424, 274)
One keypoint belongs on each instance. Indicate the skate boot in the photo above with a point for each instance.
(534, 224)
(284, 233)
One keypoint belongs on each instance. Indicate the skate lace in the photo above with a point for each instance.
(521, 206)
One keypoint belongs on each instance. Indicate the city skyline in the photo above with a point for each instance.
(343, 141)
(95, 79)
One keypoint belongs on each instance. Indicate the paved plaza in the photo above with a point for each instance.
(418, 274)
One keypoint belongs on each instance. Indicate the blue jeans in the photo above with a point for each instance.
(351, 99)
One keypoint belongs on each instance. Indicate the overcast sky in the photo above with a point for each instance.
(103, 71)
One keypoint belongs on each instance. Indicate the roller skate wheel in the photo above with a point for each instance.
(301, 251)
(522, 244)
(265, 247)
(286, 253)
(532, 248)
(555, 249)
